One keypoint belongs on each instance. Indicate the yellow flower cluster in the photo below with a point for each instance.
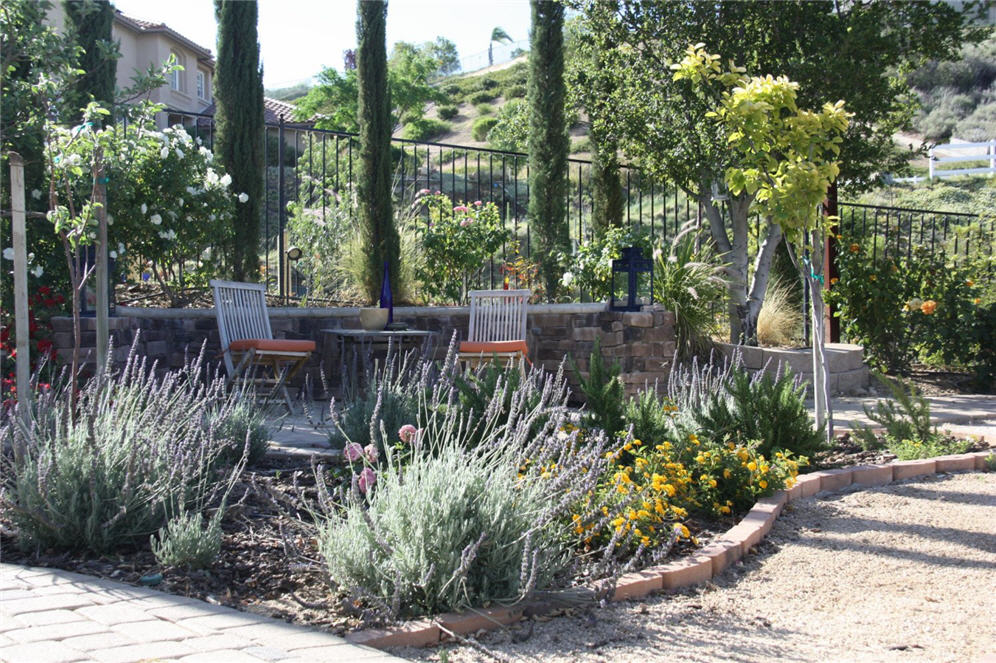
(656, 486)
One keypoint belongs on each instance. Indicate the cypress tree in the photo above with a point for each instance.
(376, 220)
(548, 141)
(238, 96)
(91, 22)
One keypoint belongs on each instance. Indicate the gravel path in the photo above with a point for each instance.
(905, 572)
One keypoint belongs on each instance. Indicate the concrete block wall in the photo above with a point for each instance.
(848, 373)
(643, 342)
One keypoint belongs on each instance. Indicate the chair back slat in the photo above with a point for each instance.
(497, 315)
(241, 312)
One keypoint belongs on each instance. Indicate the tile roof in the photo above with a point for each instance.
(272, 110)
(140, 25)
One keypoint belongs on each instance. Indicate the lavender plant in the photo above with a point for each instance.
(185, 541)
(135, 452)
(458, 523)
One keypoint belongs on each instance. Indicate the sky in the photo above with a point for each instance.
(299, 38)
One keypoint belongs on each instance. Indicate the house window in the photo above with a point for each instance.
(176, 77)
(201, 85)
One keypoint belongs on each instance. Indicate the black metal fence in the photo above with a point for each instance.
(896, 230)
(309, 166)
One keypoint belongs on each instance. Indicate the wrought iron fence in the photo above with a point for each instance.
(309, 166)
(896, 230)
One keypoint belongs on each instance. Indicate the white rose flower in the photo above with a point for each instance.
(8, 253)
(226, 179)
(36, 194)
(113, 254)
(192, 191)
(156, 219)
(179, 203)
(38, 271)
(121, 247)
(243, 197)
(567, 279)
(179, 153)
(144, 208)
(199, 141)
(163, 153)
(110, 219)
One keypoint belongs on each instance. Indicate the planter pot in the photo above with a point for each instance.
(373, 318)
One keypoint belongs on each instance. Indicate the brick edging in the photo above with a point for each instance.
(700, 566)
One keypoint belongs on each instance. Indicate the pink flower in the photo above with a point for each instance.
(461, 208)
(438, 192)
(370, 453)
(466, 222)
(407, 433)
(352, 451)
(423, 192)
(477, 203)
(367, 479)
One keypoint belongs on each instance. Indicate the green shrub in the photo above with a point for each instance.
(769, 410)
(581, 145)
(604, 393)
(905, 308)
(916, 449)
(479, 388)
(905, 417)
(136, 454)
(424, 128)
(591, 265)
(242, 429)
(511, 131)
(689, 281)
(650, 416)
(386, 402)
(463, 524)
(453, 90)
(482, 125)
(488, 83)
(447, 112)
(484, 109)
(481, 97)
(185, 541)
(514, 91)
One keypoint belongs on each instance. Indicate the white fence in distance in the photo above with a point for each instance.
(961, 153)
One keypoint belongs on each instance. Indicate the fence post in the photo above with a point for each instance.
(21, 330)
(930, 163)
(281, 211)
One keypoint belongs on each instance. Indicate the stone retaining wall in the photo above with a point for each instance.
(643, 343)
(848, 373)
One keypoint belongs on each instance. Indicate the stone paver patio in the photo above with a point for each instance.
(49, 616)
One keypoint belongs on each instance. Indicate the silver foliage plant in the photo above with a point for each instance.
(139, 449)
(451, 524)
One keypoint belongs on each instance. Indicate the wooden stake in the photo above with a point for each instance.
(100, 253)
(21, 328)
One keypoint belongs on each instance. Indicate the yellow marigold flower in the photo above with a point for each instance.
(969, 282)
(928, 307)
(695, 541)
(742, 454)
(671, 490)
(645, 540)
(727, 473)
(642, 462)
(752, 466)
(684, 532)
(724, 509)
(643, 513)
(621, 488)
(762, 483)
(872, 277)
(977, 301)
(712, 483)
(617, 522)
(855, 248)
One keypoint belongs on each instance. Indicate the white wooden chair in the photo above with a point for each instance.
(497, 327)
(247, 340)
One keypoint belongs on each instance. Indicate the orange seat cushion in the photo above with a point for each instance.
(491, 347)
(271, 345)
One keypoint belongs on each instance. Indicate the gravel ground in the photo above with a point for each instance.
(905, 572)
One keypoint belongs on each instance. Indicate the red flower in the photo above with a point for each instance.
(44, 290)
(49, 302)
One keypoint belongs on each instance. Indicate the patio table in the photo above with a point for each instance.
(336, 342)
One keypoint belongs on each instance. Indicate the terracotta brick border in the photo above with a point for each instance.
(701, 566)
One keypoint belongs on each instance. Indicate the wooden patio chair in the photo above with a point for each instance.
(247, 341)
(497, 329)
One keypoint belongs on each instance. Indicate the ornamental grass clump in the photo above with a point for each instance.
(135, 453)
(461, 523)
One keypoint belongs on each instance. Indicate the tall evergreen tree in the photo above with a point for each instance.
(376, 220)
(90, 24)
(548, 141)
(238, 96)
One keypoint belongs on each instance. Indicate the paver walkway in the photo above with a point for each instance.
(48, 615)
